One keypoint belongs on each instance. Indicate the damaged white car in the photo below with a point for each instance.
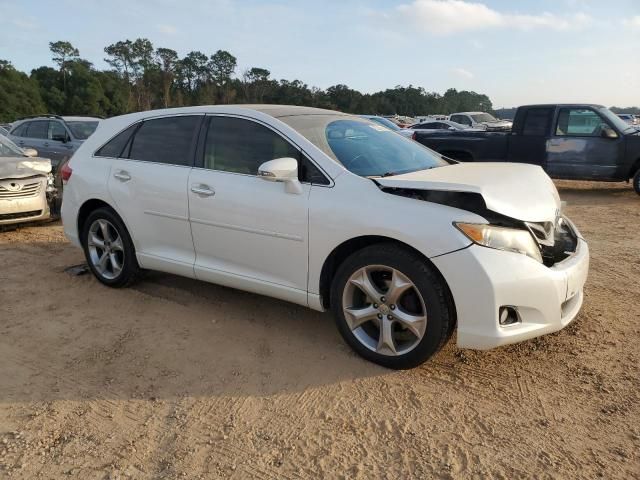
(333, 212)
(26, 185)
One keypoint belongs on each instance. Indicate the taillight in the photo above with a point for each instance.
(413, 135)
(65, 172)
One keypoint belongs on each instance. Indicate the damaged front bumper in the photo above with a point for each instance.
(483, 281)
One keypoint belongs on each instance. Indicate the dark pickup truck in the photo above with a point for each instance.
(569, 141)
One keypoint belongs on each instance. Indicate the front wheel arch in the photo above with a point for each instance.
(340, 253)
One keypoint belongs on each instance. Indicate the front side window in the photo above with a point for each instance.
(483, 117)
(241, 146)
(38, 129)
(57, 131)
(165, 140)
(582, 122)
(82, 129)
(462, 119)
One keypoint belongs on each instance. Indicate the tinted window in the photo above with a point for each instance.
(82, 129)
(165, 140)
(241, 146)
(309, 173)
(537, 121)
(20, 130)
(38, 129)
(579, 122)
(57, 131)
(115, 146)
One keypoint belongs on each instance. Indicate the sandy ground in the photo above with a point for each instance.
(179, 379)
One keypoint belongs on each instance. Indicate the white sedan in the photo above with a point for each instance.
(333, 212)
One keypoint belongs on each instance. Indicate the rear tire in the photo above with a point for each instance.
(109, 249)
(411, 316)
(636, 182)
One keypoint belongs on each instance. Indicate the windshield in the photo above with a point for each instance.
(82, 129)
(386, 122)
(615, 120)
(363, 147)
(483, 117)
(9, 149)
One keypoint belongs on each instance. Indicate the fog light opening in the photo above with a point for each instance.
(508, 316)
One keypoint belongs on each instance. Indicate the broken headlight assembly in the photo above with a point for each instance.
(502, 238)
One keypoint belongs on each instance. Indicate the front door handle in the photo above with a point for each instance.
(203, 190)
(122, 176)
(46, 144)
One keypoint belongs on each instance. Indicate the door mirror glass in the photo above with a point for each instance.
(607, 132)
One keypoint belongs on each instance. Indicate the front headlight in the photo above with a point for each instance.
(502, 238)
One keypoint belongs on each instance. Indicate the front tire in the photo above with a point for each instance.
(636, 182)
(391, 306)
(108, 249)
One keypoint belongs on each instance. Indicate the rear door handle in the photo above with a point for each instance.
(46, 144)
(122, 176)
(203, 190)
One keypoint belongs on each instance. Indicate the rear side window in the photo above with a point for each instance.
(241, 146)
(537, 122)
(38, 129)
(20, 130)
(165, 140)
(115, 147)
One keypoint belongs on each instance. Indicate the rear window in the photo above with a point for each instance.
(165, 140)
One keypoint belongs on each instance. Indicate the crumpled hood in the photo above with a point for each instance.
(22, 167)
(521, 191)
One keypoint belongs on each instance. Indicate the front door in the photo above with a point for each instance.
(247, 232)
(149, 187)
(577, 148)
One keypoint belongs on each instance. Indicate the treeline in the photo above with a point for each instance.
(143, 77)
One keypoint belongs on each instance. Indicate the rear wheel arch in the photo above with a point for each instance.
(86, 209)
(343, 251)
(635, 168)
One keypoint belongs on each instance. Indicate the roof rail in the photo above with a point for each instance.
(44, 115)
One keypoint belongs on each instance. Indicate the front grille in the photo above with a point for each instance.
(16, 216)
(25, 189)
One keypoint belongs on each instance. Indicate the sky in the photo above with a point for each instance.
(515, 51)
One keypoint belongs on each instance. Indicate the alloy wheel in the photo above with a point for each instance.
(384, 310)
(106, 250)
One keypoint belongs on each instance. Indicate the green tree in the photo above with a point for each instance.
(63, 53)
(19, 95)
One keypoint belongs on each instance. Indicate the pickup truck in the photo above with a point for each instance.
(569, 141)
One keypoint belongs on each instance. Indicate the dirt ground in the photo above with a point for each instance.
(175, 378)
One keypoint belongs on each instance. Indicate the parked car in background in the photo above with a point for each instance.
(26, 185)
(628, 118)
(441, 125)
(4, 132)
(389, 124)
(480, 120)
(330, 211)
(570, 141)
(53, 136)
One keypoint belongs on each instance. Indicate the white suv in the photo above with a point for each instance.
(330, 211)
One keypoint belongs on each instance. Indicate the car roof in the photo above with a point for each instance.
(79, 118)
(595, 105)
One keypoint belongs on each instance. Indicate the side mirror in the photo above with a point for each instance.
(282, 170)
(607, 132)
(30, 152)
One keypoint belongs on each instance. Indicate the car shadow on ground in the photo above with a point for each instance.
(69, 337)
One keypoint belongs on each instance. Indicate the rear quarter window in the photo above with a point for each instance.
(115, 147)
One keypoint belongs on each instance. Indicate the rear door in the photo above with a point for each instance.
(149, 187)
(248, 233)
(528, 139)
(36, 135)
(577, 148)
